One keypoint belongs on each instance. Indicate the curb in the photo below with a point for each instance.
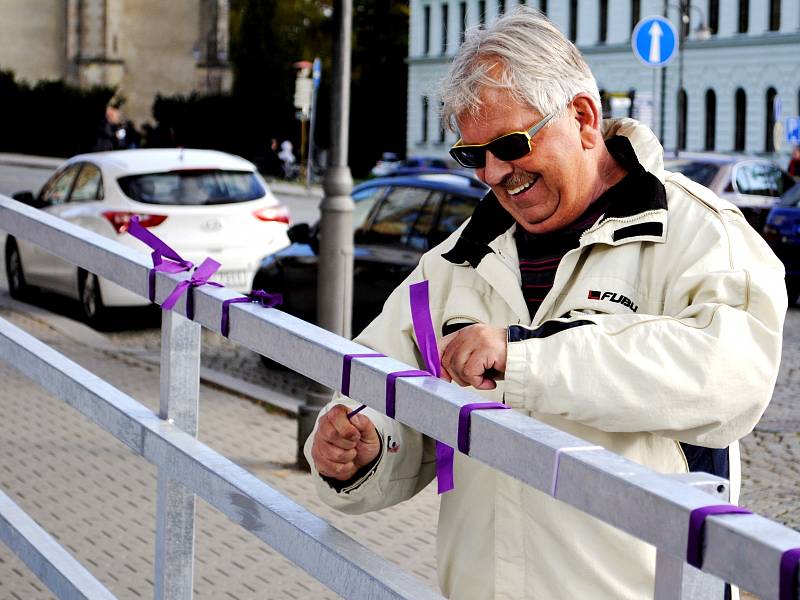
(86, 336)
(31, 162)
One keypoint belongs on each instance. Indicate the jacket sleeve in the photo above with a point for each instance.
(701, 372)
(408, 459)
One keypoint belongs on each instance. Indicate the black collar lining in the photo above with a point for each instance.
(640, 191)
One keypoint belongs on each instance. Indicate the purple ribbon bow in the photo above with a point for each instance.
(199, 277)
(261, 297)
(161, 251)
(173, 264)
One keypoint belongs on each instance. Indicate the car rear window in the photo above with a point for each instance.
(193, 188)
(791, 197)
(699, 172)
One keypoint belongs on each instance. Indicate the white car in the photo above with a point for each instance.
(202, 203)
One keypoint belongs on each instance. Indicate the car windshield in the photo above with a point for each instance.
(700, 172)
(791, 197)
(193, 188)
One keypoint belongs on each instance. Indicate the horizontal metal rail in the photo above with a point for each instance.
(744, 550)
(54, 566)
(317, 547)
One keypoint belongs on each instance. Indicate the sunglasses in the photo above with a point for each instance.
(507, 147)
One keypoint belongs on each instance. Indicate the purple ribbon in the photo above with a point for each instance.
(697, 519)
(199, 277)
(390, 381)
(787, 585)
(347, 364)
(464, 421)
(261, 297)
(174, 263)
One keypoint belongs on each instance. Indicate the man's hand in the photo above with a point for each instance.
(341, 445)
(474, 355)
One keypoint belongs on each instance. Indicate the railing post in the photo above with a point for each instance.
(675, 578)
(180, 392)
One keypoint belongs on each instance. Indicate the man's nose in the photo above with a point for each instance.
(495, 170)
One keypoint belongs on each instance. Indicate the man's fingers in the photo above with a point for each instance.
(335, 454)
(337, 417)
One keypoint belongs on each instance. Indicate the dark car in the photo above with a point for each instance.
(782, 232)
(396, 219)
(753, 184)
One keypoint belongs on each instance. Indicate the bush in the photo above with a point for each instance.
(49, 118)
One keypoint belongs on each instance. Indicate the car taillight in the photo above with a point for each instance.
(278, 214)
(121, 219)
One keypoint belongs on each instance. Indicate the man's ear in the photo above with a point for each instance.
(587, 115)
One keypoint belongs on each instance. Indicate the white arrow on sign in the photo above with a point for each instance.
(655, 34)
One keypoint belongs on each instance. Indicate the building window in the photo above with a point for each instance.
(636, 13)
(741, 120)
(543, 6)
(774, 15)
(501, 6)
(682, 111)
(482, 12)
(713, 16)
(573, 20)
(442, 131)
(444, 28)
(426, 46)
(602, 34)
(711, 119)
(424, 132)
(769, 144)
(744, 15)
(462, 22)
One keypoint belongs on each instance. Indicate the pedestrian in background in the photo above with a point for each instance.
(591, 290)
(289, 162)
(111, 132)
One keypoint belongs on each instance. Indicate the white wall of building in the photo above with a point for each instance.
(754, 61)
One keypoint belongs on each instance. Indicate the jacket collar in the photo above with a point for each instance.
(637, 211)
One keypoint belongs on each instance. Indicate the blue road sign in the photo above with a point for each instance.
(316, 72)
(792, 130)
(654, 41)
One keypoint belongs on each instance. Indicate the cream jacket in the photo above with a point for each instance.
(663, 326)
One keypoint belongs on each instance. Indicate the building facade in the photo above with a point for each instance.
(738, 58)
(140, 47)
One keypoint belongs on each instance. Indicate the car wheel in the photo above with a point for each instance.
(793, 289)
(92, 307)
(15, 276)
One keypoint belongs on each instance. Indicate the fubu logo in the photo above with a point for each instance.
(613, 297)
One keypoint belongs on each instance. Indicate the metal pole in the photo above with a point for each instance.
(680, 121)
(335, 272)
(661, 108)
(180, 392)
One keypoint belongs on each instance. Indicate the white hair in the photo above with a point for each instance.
(522, 53)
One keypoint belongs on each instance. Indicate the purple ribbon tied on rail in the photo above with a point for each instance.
(787, 584)
(173, 264)
(697, 520)
(261, 297)
(426, 340)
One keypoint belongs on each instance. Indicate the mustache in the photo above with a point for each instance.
(516, 179)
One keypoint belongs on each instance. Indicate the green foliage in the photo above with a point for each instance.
(49, 118)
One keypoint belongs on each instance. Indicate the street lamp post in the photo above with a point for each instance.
(702, 33)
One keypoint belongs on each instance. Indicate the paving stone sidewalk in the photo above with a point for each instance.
(97, 498)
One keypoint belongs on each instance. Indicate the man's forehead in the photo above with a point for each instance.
(498, 107)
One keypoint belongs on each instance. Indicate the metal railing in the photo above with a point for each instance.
(745, 550)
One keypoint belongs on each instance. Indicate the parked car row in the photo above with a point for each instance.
(767, 195)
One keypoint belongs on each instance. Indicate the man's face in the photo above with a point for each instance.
(544, 190)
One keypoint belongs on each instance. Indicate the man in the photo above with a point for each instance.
(591, 290)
